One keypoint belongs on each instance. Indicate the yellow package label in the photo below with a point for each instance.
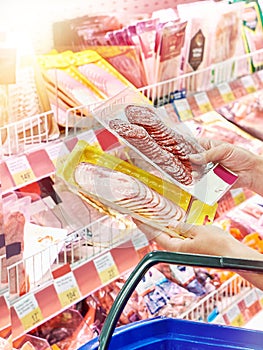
(199, 212)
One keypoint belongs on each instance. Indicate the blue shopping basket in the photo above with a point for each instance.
(162, 333)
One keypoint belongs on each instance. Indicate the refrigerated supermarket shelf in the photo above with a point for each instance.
(76, 271)
(22, 144)
(20, 166)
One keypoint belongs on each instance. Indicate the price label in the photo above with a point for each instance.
(238, 195)
(57, 151)
(28, 311)
(203, 102)
(260, 296)
(67, 289)
(235, 316)
(250, 298)
(248, 83)
(141, 244)
(140, 241)
(260, 75)
(183, 109)
(106, 267)
(226, 92)
(20, 170)
(90, 137)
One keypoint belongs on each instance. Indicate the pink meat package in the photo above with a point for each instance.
(141, 126)
(247, 113)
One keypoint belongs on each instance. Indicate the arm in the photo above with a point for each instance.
(207, 240)
(247, 165)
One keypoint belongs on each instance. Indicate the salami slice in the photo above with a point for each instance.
(140, 139)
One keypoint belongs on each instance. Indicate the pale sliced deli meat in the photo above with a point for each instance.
(127, 193)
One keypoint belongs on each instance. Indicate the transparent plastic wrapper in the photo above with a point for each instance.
(26, 116)
(126, 59)
(246, 113)
(67, 330)
(162, 296)
(131, 118)
(30, 342)
(213, 126)
(99, 72)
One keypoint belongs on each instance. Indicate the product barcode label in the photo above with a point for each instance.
(28, 311)
(106, 267)
(20, 170)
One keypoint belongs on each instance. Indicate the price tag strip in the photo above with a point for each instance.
(183, 109)
(141, 244)
(248, 83)
(67, 289)
(140, 241)
(90, 137)
(234, 317)
(28, 311)
(203, 102)
(260, 296)
(106, 268)
(238, 195)
(226, 92)
(20, 170)
(57, 152)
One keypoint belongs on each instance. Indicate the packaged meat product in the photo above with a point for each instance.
(168, 58)
(214, 35)
(27, 102)
(133, 197)
(30, 342)
(126, 60)
(45, 243)
(140, 126)
(212, 125)
(186, 277)
(162, 296)
(85, 153)
(196, 53)
(246, 112)
(252, 31)
(146, 31)
(67, 330)
(3, 272)
(100, 73)
(14, 224)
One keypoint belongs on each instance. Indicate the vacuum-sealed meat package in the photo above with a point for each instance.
(144, 129)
